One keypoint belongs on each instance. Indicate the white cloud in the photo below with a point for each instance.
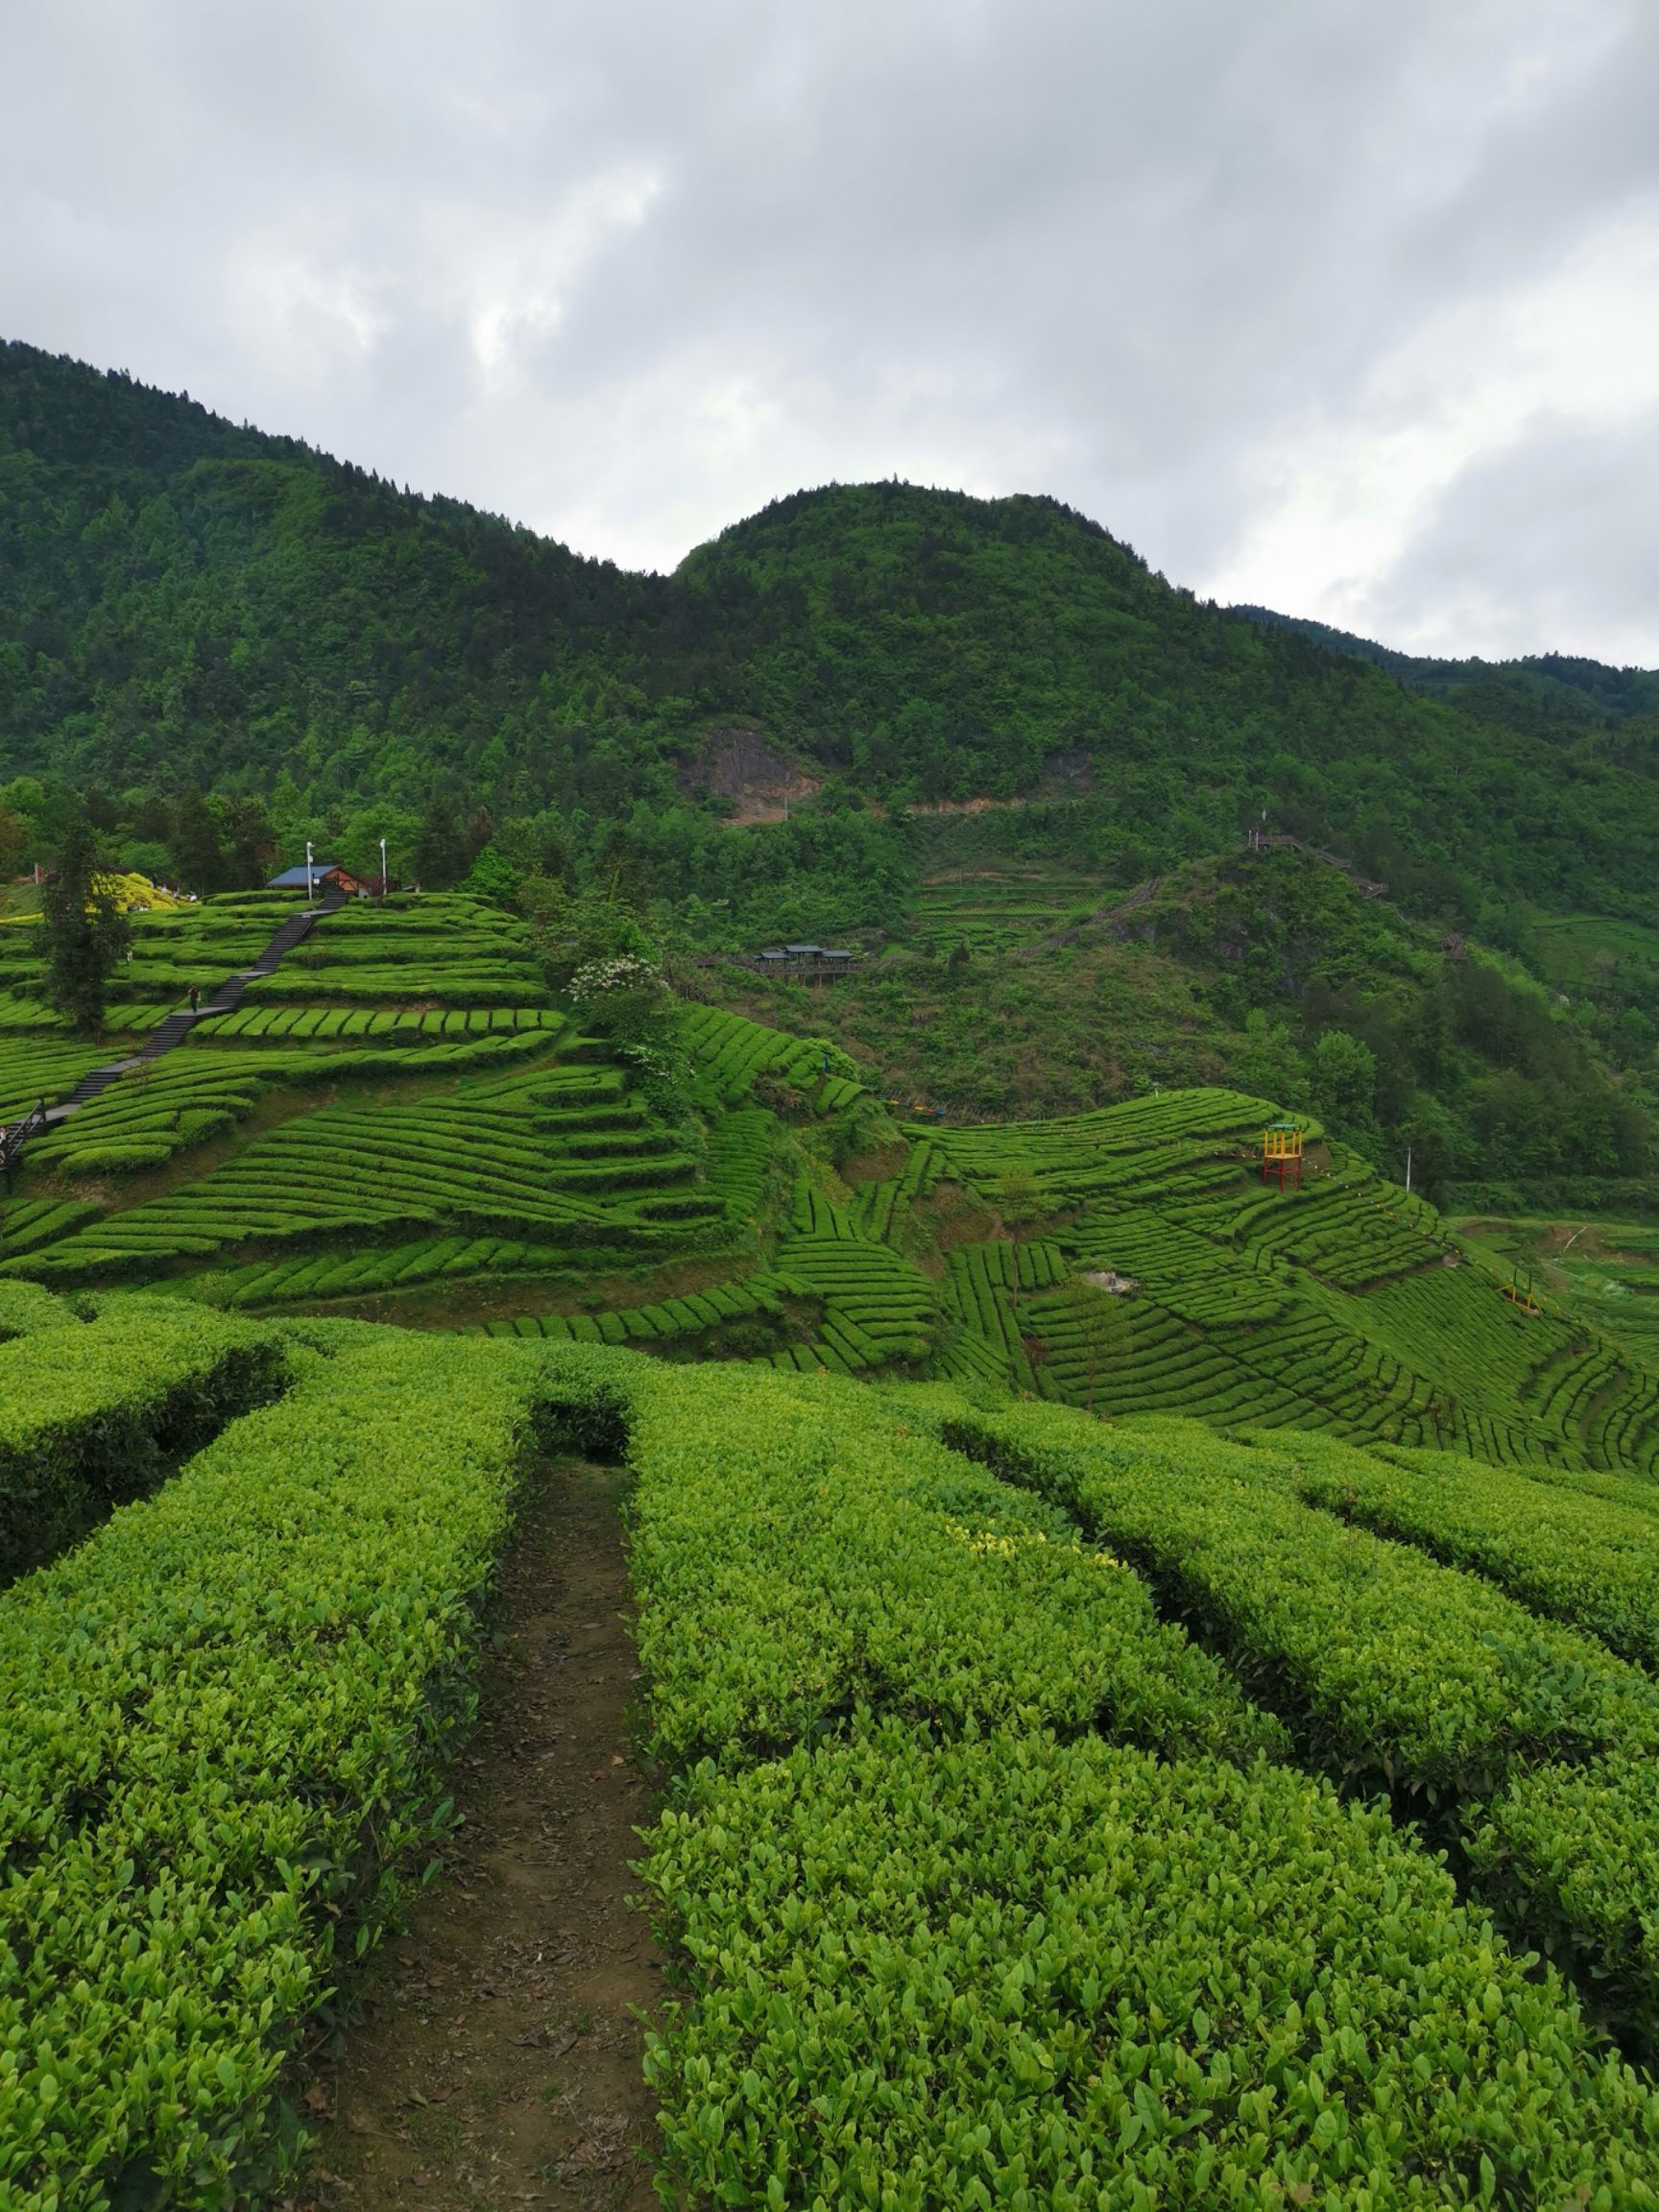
(1340, 504)
(1288, 296)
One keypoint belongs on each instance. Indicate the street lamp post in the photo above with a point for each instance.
(310, 892)
(382, 867)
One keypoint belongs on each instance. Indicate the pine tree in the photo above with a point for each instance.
(84, 932)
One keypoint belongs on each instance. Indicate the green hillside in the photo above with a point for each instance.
(1008, 987)
(399, 1123)
(190, 603)
(1613, 713)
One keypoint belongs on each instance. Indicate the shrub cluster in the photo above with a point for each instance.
(92, 1414)
(219, 1768)
(1526, 1741)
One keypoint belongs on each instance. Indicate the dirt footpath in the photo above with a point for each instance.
(496, 2059)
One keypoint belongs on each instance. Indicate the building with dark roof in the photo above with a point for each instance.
(321, 876)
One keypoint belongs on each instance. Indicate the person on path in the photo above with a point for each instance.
(195, 997)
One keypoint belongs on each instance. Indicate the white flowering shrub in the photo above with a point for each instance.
(602, 983)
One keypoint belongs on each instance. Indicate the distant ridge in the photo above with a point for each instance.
(1560, 684)
(186, 601)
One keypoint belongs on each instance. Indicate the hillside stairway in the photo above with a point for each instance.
(177, 1026)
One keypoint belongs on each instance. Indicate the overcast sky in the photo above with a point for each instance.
(1348, 306)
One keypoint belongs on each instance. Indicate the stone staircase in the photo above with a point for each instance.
(177, 1026)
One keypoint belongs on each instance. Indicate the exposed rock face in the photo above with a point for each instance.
(738, 764)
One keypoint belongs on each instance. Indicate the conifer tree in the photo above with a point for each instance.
(83, 931)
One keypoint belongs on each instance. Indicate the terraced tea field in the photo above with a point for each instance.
(409, 1114)
(1342, 1306)
(398, 1101)
(1152, 1676)
(172, 950)
(1606, 1271)
(1058, 1807)
(994, 910)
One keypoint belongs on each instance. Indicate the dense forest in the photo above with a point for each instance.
(1556, 695)
(193, 605)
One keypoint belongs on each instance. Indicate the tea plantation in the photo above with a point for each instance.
(1062, 1805)
(1149, 1678)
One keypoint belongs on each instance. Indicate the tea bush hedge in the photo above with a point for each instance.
(1392, 1668)
(1585, 1560)
(798, 1553)
(219, 1768)
(25, 1307)
(1015, 1972)
(937, 1954)
(91, 1414)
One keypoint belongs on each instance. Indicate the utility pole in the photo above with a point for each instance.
(382, 867)
(1408, 1167)
(310, 892)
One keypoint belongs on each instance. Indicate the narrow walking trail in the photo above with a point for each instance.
(495, 2061)
(225, 1000)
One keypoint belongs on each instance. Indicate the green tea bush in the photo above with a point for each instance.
(112, 1159)
(1014, 1972)
(1530, 1740)
(1573, 1557)
(1571, 1854)
(1389, 1665)
(219, 1768)
(25, 1308)
(799, 1554)
(92, 1414)
(938, 1955)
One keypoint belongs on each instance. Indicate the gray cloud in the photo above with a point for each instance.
(1506, 552)
(1297, 299)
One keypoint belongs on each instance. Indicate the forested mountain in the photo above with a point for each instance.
(186, 602)
(1543, 694)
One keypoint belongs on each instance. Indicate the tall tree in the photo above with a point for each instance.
(251, 843)
(83, 931)
(619, 871)
(479, 831)
(440, 858)
(14, 841)
(194, 844)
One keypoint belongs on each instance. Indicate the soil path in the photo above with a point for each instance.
(497, 2059)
